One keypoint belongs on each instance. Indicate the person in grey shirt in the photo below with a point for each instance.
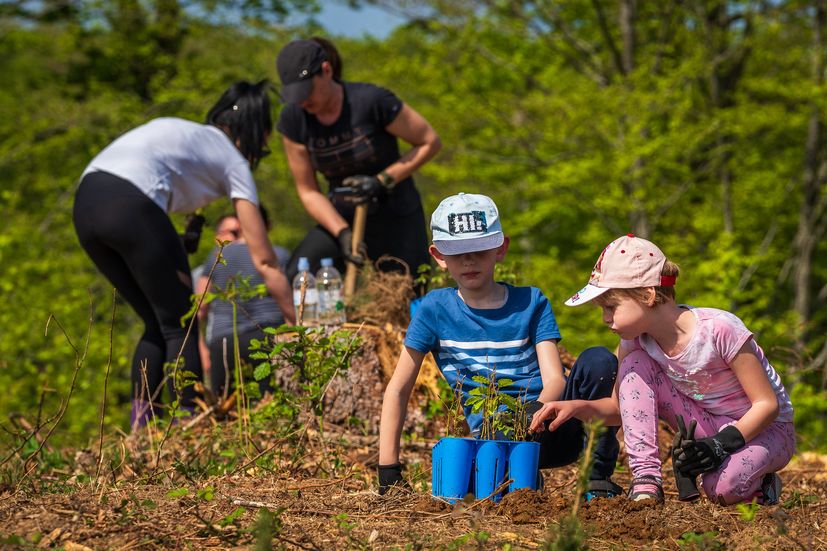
(252, 316)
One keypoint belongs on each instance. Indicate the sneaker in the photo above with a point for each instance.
(646, 487)
(602, 488)
(771, 489)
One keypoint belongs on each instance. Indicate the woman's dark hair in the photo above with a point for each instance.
(243, 112)
(332, 55)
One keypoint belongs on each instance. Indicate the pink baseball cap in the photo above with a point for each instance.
(628, 262)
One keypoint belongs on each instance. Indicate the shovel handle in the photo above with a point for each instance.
(359, 221)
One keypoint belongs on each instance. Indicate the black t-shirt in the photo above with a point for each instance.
(357, 143)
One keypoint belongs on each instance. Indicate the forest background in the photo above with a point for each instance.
(699, 124)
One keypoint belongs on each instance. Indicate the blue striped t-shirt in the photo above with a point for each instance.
(468, 341)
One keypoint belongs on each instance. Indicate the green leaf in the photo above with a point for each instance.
(232, 517)
(178, 492)
(262, 371)
(207, 493)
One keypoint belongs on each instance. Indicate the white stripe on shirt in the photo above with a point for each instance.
(478, 368)
(473, 345)
(488, 359)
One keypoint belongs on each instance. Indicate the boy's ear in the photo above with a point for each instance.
(502, 249)
(438, 256)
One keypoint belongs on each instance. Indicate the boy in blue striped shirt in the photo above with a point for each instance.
(483, 326)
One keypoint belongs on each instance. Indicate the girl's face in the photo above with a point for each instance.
(626, 316)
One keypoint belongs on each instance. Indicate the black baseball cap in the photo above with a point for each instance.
(297, 63)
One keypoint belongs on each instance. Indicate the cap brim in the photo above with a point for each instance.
(584, 295)
(470, 245)
(296, 92)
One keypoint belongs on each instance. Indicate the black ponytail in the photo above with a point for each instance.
(243, 112)
(332, 55)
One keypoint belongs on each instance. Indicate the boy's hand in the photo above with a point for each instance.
(390, 475)
(552, 415)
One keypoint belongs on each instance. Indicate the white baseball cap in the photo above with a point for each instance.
(466, 223)
(628, 262)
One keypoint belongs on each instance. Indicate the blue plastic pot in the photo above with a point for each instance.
(452, 463)
(490, 470)
(523, 465)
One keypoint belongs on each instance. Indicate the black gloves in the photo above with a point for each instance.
(361, 189)
(192, 232)
(687, 487)
(390, 475)
(345, 238)
(706, 454)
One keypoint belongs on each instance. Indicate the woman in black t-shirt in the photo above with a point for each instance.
(345, 130)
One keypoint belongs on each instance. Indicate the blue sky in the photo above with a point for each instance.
(339, 19)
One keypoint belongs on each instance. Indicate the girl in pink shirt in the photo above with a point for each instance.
(688, 366)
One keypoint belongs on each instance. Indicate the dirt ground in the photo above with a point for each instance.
(310, 511)
(313, 491)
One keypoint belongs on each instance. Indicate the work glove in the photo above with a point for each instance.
(345, 238)
(192, 233)
(687, 487)
(362, 189)
(390, 475)
(706, 454)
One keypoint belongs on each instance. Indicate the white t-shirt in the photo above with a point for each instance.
(179, 164)
(701, 370)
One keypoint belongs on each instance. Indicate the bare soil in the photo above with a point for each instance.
(344, 511)
(320, 491)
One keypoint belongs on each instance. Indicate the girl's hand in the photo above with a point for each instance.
(556, 413)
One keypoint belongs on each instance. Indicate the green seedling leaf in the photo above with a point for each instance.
(178, 492)
(207, 493)
(262, 371)
(509, 401)
(748, 510)
(480, 379)
(232, 517)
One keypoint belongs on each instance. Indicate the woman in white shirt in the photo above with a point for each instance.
(121, 218)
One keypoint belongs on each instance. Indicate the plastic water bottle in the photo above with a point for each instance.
(329, 285)
(310, 315)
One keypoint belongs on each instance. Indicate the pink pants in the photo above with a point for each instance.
(646, 393)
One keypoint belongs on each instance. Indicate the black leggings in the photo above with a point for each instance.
(404, 237)
(133, 243)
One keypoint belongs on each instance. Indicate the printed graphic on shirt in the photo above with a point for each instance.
(342, 154)
(467, 222)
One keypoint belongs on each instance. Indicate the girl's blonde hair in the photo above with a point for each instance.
(663, 294)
